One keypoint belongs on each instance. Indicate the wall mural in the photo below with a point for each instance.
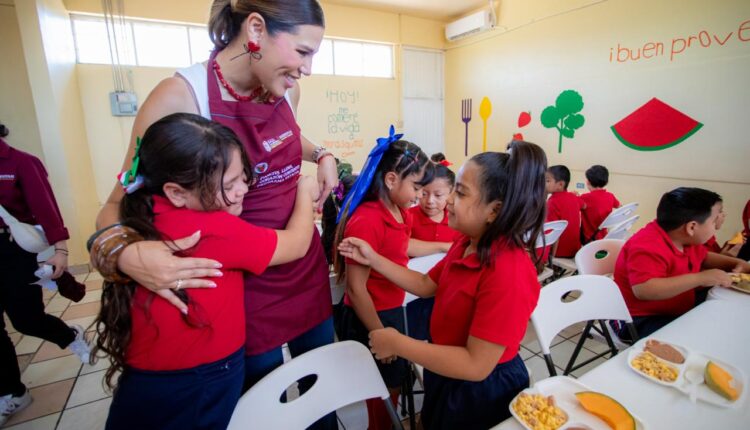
(485, 110)
(524, 119)
(466, 118)
(564, 115)
(655, 126)
(343, 122)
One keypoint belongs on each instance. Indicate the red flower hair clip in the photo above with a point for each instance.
(445, 163)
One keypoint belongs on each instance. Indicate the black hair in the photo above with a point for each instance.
(683, 205)
(4, 130)
(194, 153)
(437, 157)
(598, 176)
(517, 182)
(284, 16)
(560, 173)
(442, 172)
(402, 157)
(330, 212)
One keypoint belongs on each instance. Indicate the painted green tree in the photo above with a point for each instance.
(564, 115)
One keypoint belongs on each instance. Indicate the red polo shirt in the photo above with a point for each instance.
(712, 245)
(161, 339)
(490, 303)
(26, 194)
(599, 203)
(374, 223)
(566, 205)
(424, 228)
(649, 254)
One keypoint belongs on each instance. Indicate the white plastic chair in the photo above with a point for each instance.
(621, 230)
(599, 299)
(598, 257)
(616, 217)
(346, 373)
(551, 234)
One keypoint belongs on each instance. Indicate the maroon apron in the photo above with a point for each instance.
(287, 300)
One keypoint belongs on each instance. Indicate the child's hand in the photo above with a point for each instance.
(715, 277)
(383, 344)
(308, 185)
(742, 267)
(358, 250)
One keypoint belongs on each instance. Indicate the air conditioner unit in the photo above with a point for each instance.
(468, 25)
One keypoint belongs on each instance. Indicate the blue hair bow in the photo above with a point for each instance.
(362, 184)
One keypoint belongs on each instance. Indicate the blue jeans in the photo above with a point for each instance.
(258, 366)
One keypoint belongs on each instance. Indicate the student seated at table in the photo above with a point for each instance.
(744, 253)
(564, 205)
(598, 203)
(729, 248)
(661, 268)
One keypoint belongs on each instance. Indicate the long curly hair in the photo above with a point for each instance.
(194, 153)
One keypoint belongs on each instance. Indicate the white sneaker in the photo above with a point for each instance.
(11, 404)
(80, 346)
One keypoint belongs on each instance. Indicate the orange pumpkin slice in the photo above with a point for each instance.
(607, 409)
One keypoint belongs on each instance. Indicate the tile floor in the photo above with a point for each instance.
(71, 396)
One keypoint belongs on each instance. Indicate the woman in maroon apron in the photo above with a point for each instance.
(262, 48)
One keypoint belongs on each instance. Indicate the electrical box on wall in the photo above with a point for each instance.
(123, 103)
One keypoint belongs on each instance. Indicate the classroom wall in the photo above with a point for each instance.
(16, 105)
(345, 114)
(540, 49)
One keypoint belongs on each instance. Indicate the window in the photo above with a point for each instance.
(163, 44)
(351, 58)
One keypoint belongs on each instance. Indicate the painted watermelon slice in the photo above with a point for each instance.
(655, 126)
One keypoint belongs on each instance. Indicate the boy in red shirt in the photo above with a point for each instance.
(598, 203)
(661, 268)
(564, 205)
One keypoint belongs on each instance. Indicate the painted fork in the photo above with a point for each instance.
(466, 117)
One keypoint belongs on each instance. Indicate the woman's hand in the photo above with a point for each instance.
(383, 344)
(152, 265)
(328, 179)
(60, 262)
(358, 250)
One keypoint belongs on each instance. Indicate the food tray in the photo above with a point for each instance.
(563, 389)
(694, 362)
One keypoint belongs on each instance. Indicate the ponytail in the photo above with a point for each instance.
(517, 182)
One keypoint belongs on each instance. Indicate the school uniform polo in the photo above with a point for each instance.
(490, 303)
(599, 203)
(161, 338)
(374, 223)
(649, 254)
(566, 206)
(712, 245)
(26, 194)
(424, 228)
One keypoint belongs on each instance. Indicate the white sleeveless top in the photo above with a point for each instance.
(196, 77)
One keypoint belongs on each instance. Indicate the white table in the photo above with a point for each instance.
(720, 328)
(422, 265)
(719, 293)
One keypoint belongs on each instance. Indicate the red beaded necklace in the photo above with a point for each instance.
(239, 97)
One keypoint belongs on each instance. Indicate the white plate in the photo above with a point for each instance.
(563, 389)
(696, 362)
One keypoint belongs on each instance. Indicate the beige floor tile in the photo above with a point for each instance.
(48, 351)
(89, 277)
(28, 345)
(48, 294)
(538, 369)
(81, 310)
(93, 285)
(88, 388)
(91, 296)
(23, 361)
(57, 304)
(8, 326)
(85, 322)
(91, 416)
(48, 422)
(49, 371)
(48, 399)
(525, 353)
(562, 352)
(15, 338)
(101, 364)
(573, 330)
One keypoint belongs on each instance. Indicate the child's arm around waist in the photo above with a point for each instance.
(294, 241)
(414, 282)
